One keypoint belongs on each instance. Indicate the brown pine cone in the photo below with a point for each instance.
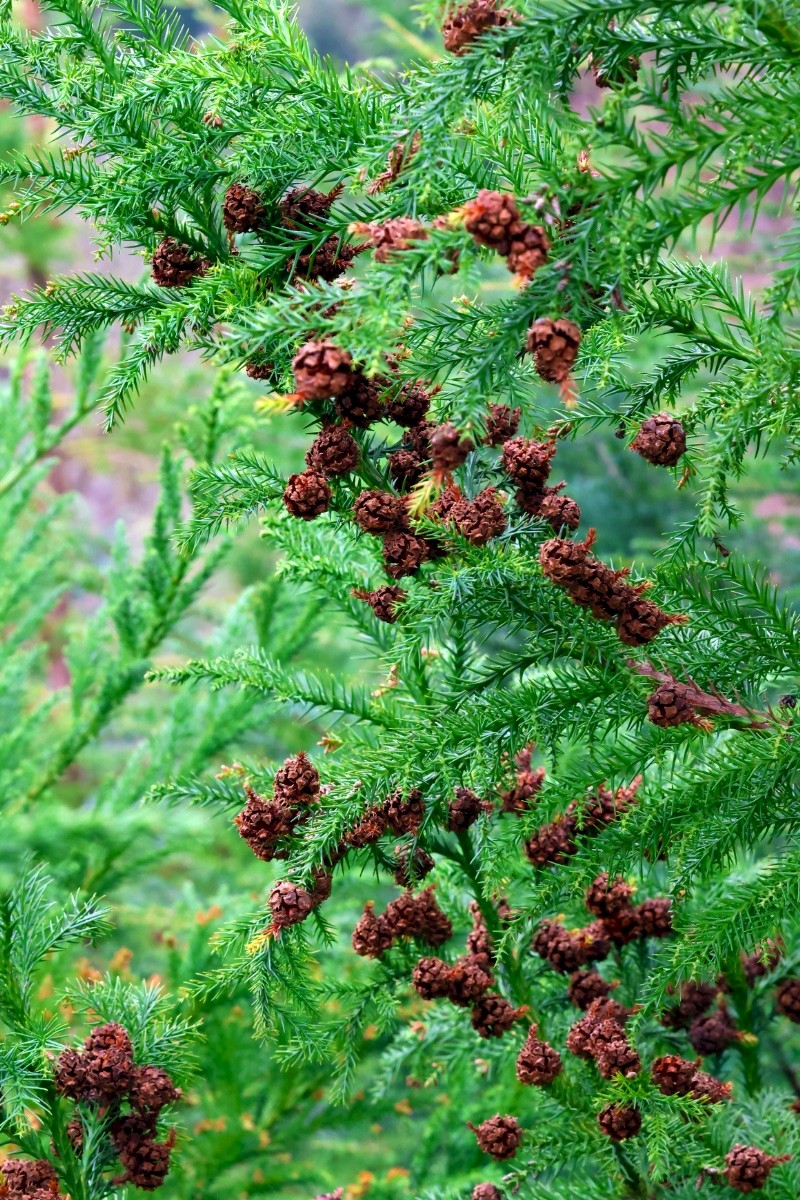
(128, 1132)
(21, 1177)
(404, 553)
(102, 1071)
(334, 451)
(403, 915)
(661, 440)
(604, 806)
(395, 235)
(74, 1132)
(527, 463)
(619, 1122)
(554, 345)
(368, 830)
(406, 468)
(560, 512)
(537, 1062)
(481, 519)
(411, 865)
(713, 1091)
(307, 495)
(464, 810)
(242, 210)
(607, 898)
(655, 917)
(787, 1000)
(617, 1058)
(383, 601)
(713, 1033)
(321, 886)
(262, 823)
(418, 438)
(410, 406)
(579, 1039)
(502, 423)
(302, 202)
(372, 934)
(328, 261)
(493, 219)
(493, 1015)
(322, 370)
(674, 1076)
(499, 1136)
(469, 980)
(486, 1191)
(260, 370)
(527, 786)
(289, 904)
(762, 961)
(623, 927)
(432, 925)
(152, 1088)
(479, 941)
(587, 986)
(404, 814)
(552, 844)
(529, 249)
(146, 1162)
(175, 265)
(380, 512)
(431, 978)
(360, 403)
(448, 448)
(606, 1008)
(641, 620)
(695, 998)
(747, 1168)
(670, 704)
(297, 782)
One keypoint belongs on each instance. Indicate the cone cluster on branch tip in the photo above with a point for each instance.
(408, 916)
(527, 785)
(556, 842)
(606, 593)
(266, 825)
(494, 220)
(527, 464)
(103, 1074)
(661, 440)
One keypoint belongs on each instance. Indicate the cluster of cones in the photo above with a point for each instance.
(28, 1179)
(556, 841)
(408, 916)
(103, 1074)
(469, 21)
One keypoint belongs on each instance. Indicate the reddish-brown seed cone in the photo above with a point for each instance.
(617, 1057)
(262, 824)
(328, 261)
(383, 601)
(334, 451)
(527, 786)
(322, 370)
(670, 705)
(708, 1088)
(102, 1071)
(395, 235)
(502, 423)
(479, 520)
(21, 1177)
(673, 1075)
(406, 468)
(493, 219)
(655, 917)
(289, 904)
(529, 249)
(469, 980)
(410, 406)
(552, 844)
(486, 1191)
(493, 1015)
(608, 897)
(560, 512)
(747, 1168)
(404, 553)
(787, 1000)
(175, 265)
(260, 370)
(297, 781)
(527, 463)
(619, 1122)
(762, 961)
(380, 512)
(303, 202)
(75, 1134)
(499, 1136)
(431, 978)
(307, 495)
(360, 403)
(587, 986)
(371, 935)
(242, 209)
(152, 1088)
(464, 810)
(480, 946)
(411, 865)
(641, 620)
(448, 448)
(538, 1063)
(661, 440)
(418, 916)
(554, 345)
(713, 1033)
(404, 814)
(146, 1161)
(695, 998)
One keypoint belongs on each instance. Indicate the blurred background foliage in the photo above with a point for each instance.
(81, 743)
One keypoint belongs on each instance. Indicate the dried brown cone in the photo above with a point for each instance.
(493, 219)
(713, 1033)
(469, 980)
(334, 451)
(554, 345)
(641, 620)
(399, 157)
(590, 583)
(175, 265)
(762, 961)
(538, 1063)
(695, 998)
(787, 1000)
(661, 440)
(499, 1136)
(152, 1088)
(380, 512)
(328, 261)
(708, 1088)
(527, 786)
(372, 935)
(431, 978)
(74, 1132)
(432, 925)
(21, 1177)
(502, 424)
(404, 814)
(242, 209)
(297, 781)
(102, 1071)
(552, 844)
(404, 553)
(560, 512)
(393, 236)
(302, 203)
(655, 917)
(481, 519)
(529, 249)
(480, 946)
(587, 986)
(486, 1191)
(673, 1075)
(579, 1039)
(410, 406)
(307, 495)
(368, 830)
(289, 904)
(260, 370)
(411, 865)
(606, 897)
(449, 448)
(619, 1122)
(527, 462)
(361, 402)
(493, 1015)
(406, 468)
(671, 704)
(146, 1162)
(624, 926)
(322, 370)
(747, 1168)
(464, 810)
(604, 806)
(262, 824)
(383, 601)
(617, 1058)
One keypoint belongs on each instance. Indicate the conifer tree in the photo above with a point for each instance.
(566, 763)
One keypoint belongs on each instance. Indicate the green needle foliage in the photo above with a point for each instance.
(666, 756)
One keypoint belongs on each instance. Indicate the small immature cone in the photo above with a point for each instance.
(493, 1015)
(333, 452)
(383, 602)
(175, 265)
(322, 370)
(289, 904)
(661, 440)
(242, 210)
(538, 1063)
(529, 250)
(747, 1168)
(554, 345)
(492, 218)
(307, 495)
(499, 1136)
(619, 1122)
(297, 781)
(448, 448)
